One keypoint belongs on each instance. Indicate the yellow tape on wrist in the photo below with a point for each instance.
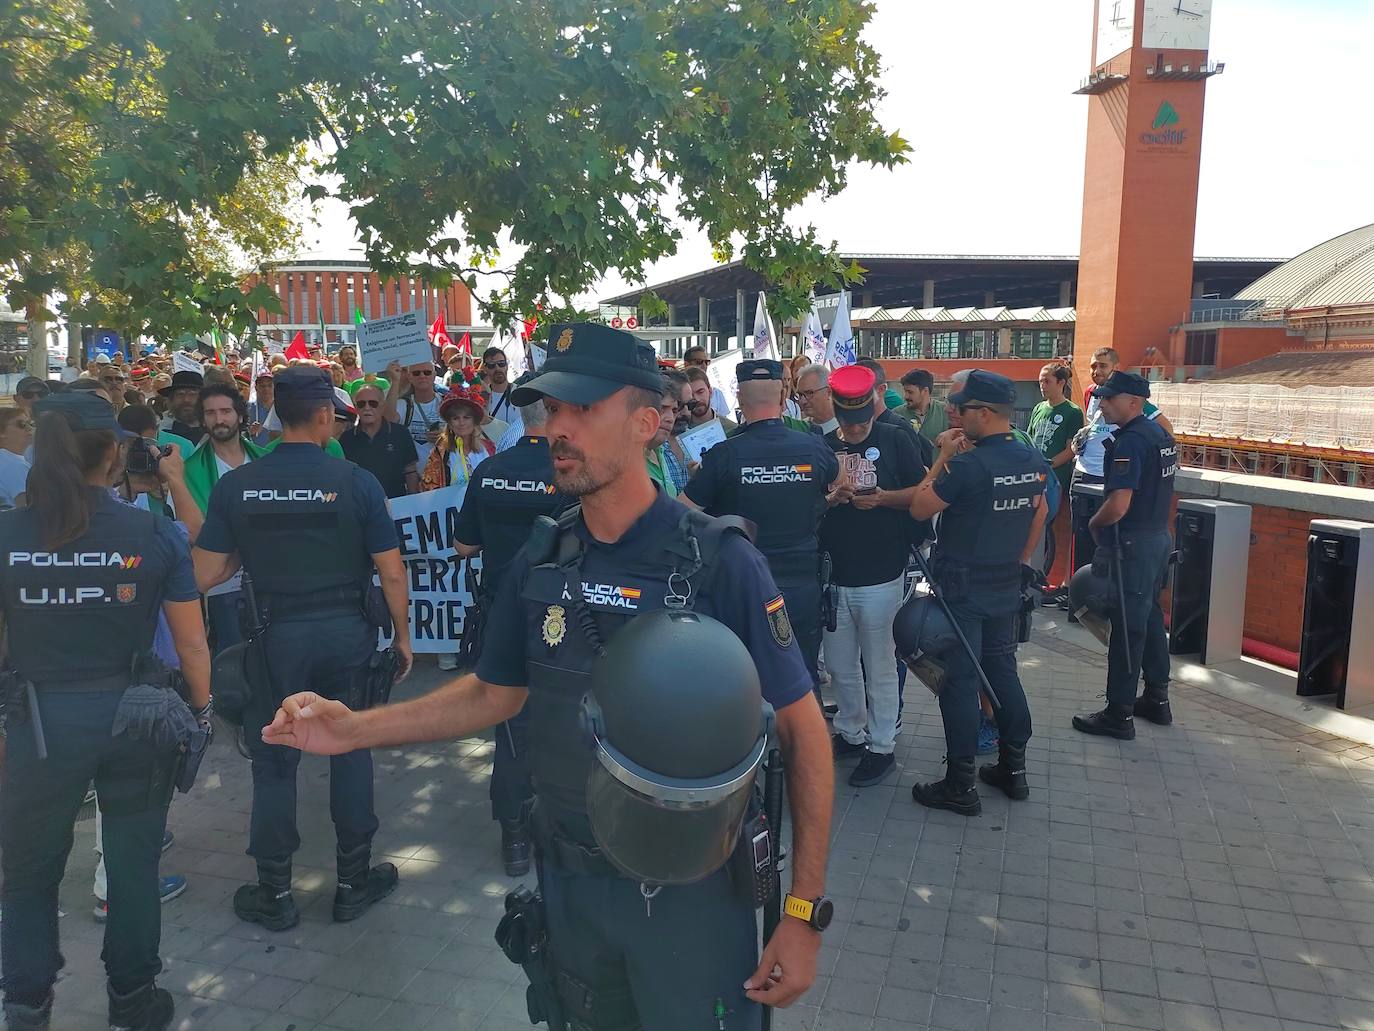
(799, 908)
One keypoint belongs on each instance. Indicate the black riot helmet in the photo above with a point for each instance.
(229, 682)
(680, 730)
(924, 637)
(1092, 599)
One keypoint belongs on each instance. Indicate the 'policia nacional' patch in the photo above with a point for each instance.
(778, 622)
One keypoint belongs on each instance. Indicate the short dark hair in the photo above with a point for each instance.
(674, 380)
(696, 347)
(873, 366)
(491, 351)
(298, 412)
(642, 397)
(137, 419)
(919, 378)
(223, 390)
(696, 375)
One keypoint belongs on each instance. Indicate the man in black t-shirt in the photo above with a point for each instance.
(868, 535)
(385, 449)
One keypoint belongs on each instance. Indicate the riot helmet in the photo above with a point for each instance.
(679, 726)
(1092, 599)
(229, 683)
(924, 637)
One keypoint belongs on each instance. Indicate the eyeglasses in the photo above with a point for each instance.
(366, 404)
(807, 395)
(494, 365)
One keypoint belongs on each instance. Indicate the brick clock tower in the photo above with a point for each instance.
(1145, 95)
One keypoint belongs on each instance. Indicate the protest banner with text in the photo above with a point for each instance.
(401, 338)
(437, 578)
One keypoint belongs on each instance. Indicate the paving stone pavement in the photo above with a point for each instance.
(1210, 876)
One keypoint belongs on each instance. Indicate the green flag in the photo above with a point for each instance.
(357, 317)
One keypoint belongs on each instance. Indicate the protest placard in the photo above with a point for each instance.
(400, 338)
(183, 362)
(439, 596)
(699, 440)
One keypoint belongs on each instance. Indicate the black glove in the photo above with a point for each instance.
(1032, 579)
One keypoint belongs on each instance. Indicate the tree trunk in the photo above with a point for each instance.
(38, 339)
(74, 341)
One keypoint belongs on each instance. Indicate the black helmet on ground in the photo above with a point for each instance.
(680, 729)
(1092, 599)
(924, 636)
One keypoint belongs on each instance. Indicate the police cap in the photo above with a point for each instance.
(588, 362)
(1123, 383)
(758, 369)
(987, 387)
(83, 410)
(304, 383)
(851, 389)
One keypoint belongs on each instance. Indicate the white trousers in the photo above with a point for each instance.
(866, 693)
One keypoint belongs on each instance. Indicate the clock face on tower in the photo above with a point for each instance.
(1177, 24)
(1115, 28)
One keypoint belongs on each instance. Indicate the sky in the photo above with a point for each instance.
(983, 91)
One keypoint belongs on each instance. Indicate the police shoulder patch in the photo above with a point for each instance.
(778, 623)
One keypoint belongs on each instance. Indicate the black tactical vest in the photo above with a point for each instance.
(298, 532)
(84, 610)
(561, 646)
(988, 537)
(772, 480)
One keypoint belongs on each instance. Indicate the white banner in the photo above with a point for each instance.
(183, 362)
(765, 337)
(721, 373)
(813, 337)
(437, 578)
(401, 338)
(840, 350)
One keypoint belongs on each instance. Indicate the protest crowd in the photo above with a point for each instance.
(272, 540)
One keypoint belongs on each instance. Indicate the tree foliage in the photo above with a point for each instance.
(585, 133)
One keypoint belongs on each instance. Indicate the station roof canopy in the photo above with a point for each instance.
(961, 280)
(1336, 273)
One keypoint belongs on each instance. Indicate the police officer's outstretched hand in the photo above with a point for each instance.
(788, 965)
(314, 724)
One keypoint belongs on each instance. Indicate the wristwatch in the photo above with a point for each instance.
(818, 912)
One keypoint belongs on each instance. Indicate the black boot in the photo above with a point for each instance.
(22, 1017)
(515, 848)
(148, 1008)
(1113, 721)
(269, 902)
(955, 793)
(1153, 705)
(1008, 773)
(359, 886)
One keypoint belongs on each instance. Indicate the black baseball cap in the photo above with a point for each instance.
(307, 383)
(758, 369)
(1123, 383)
(987, 387)
(588, 362)
(83, 410)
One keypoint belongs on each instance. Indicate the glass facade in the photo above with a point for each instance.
(1033, 343)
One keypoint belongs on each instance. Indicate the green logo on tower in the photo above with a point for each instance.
(1165, 116)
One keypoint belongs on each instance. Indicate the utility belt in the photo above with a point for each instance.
(290, 608)
(959, 580)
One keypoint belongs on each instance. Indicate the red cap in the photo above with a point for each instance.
(462, 396)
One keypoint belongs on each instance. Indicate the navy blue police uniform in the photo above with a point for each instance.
(677, 962)
(993, 492)
(506, 494)
(777, 479)
(1141, 457)
(77, 616)
(305, 526)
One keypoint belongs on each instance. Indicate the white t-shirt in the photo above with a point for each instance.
(14, 476)
(499, 406)
(235, 582)
(1091, 459)
(423, 414)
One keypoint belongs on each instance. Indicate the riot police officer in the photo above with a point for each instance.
(1132, 528)
(992, 497)
(308, 530)
(778, 479)
(505, 496)
(629, 595)
(78, 566)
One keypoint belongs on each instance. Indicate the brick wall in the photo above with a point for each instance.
(1277, 575)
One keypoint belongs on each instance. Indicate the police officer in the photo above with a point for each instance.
(778, 479)
(308, 529)
(676, 957)
(992, 497)
(505, 496)
(1132, 528)
(78, 566)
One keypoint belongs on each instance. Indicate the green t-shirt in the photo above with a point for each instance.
(1051, 429)
(332, 448)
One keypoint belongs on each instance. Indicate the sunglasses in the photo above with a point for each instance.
(965, 409)
(367, 404)
(494, 365)
(423, 373)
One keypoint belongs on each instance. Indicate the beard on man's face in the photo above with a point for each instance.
(222, 432)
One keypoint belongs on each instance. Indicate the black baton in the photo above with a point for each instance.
(1118, 559)
(40, 742)
(958, 630)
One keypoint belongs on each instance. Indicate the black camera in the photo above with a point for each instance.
(144, 456)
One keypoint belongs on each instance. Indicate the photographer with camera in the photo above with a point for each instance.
(154, 475)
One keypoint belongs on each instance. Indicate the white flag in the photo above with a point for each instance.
(259, 366)
(765, 340)
(813, 337)
(514, 347)
(840, 349)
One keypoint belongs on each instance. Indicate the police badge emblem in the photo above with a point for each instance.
(555, 626)
(126, 593)
(564, 341)
(778, 622)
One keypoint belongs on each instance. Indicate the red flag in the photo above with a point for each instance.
(297, 348)
(438, 334)
(531, 324)
(465, 344)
